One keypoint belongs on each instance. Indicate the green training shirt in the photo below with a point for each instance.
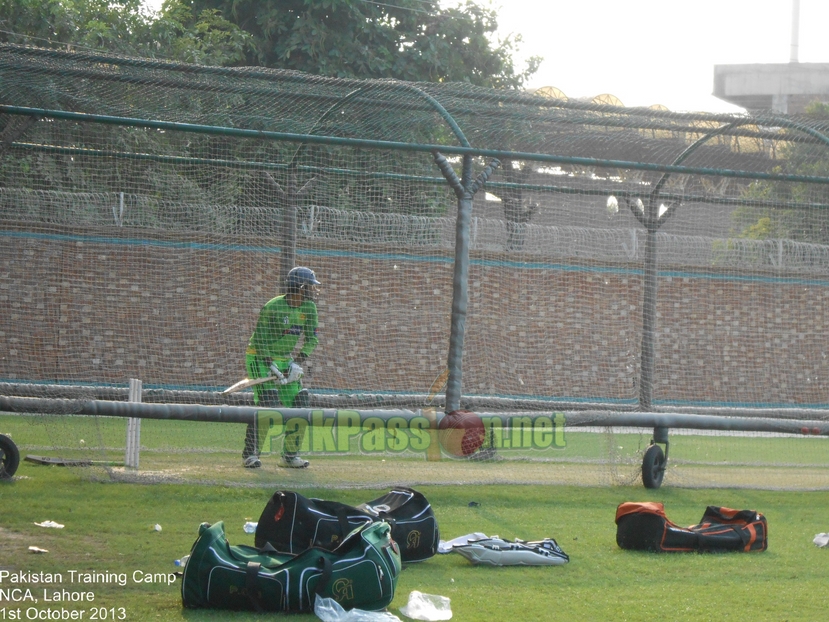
(280, 327)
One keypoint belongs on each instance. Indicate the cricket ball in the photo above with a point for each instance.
(461, 433)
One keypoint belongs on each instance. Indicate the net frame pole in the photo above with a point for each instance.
(650, 284)
(133, 449)
(813, 427)
(288, 228)
(460, 292)
(465, 189)
(451, 149)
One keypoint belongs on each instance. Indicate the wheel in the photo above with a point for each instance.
(9, 457)
(653, 467)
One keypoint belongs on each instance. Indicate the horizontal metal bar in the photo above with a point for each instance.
(247, 414)
(437, 181)
(697, 422)
(401, 146)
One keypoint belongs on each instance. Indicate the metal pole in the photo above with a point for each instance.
(813, 427)
(460, 292)
(646, 372)
(288, 237)
(795, 31)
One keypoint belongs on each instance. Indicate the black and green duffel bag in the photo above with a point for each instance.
(360, 573)
(291, 523)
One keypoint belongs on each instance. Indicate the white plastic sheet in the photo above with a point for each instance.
(50, 523)
(329, 610)
(429, 607)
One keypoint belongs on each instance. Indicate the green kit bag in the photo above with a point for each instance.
(360, 573)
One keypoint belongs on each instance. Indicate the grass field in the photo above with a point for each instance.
(109, 527)
(110, 513)
(210, 453)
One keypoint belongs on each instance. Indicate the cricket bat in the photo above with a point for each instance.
(437, 385)
(248, 382)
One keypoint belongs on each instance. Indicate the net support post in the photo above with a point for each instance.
(660, 435)
(465, 188)
(131, 455)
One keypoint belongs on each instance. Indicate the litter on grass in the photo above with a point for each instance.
(37, 549)
(329, 610)
(429, 607)
(821, 540)
(50, 523)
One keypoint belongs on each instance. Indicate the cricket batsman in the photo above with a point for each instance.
(282, 323)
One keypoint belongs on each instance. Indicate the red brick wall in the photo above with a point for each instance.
(179, 312)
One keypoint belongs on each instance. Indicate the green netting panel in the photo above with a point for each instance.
(147, 210)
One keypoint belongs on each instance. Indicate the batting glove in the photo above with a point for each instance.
(294, 373)
(275, 371)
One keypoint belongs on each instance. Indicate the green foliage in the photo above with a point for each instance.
(818, 110)
(203, 38)
(177, 32)
(761, 230)
(413, 40)
(802, 156)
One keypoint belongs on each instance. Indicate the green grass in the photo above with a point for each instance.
(207, 452)
(65, 432)
(109, 528)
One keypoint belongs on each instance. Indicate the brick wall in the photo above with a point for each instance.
(103, 307)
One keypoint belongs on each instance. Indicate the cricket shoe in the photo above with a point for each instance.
(293, 462)
(252, 462)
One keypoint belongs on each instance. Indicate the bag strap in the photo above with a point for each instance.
(383, 515)
(251, 574)
(345, 528)
(325, 578)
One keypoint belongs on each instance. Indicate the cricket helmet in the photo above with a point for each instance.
(302, 279)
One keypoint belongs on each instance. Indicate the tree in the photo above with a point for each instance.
(126, 27)
(412, 40)
(518, 211)
(407, 40)
(797, 158)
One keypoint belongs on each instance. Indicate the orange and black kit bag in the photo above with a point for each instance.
(645, 527)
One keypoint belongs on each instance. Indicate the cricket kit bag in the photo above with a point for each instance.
(361, 572)
(645, 527)
(291, 523)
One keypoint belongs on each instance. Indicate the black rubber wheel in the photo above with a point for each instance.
(9, 457)
(653, 467)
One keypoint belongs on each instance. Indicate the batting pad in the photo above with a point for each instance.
(483, 550)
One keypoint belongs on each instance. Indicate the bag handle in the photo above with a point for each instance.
(345, 528)
(325, 578)
(251, 574)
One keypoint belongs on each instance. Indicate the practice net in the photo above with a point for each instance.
(620, 260)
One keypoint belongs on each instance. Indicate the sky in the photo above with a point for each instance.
(647, 52)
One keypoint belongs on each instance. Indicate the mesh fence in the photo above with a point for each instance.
(149, 209)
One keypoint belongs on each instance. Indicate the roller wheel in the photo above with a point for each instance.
(9, 457)
(653, 467)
